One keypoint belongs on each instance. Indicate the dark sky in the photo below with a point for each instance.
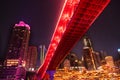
(42, 16)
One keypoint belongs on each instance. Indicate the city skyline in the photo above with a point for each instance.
(42, 17)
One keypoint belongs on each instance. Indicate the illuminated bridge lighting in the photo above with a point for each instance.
(75, 19)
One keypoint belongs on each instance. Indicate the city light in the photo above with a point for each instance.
(118, 49)
(80, 73)
(75, 19)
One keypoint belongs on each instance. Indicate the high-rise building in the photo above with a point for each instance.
(18, 44)
(88, 54)
(31, 58)
(109, 61)
(87, 42)
(17, 47)
(42, 53)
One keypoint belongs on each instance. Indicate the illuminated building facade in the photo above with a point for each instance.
(109, 61)
(7, 72)
(88, 55)
(42, 53)
(15, 57)
(87, 59)
(31, 58)
(18, 43)
(20, 73)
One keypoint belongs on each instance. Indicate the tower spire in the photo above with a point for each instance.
(87, 42)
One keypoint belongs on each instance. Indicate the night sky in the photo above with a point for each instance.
(42, 16)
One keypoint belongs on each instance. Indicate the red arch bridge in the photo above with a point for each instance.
(75, 19)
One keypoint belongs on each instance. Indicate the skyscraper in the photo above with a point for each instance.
(31, 58)
(87, 42)
(15, 57)
(18, 43)
(88, 55)
(42, 53)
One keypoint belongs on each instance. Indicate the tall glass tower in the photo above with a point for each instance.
(18, 44)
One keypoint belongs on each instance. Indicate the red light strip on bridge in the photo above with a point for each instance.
(65, 16)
